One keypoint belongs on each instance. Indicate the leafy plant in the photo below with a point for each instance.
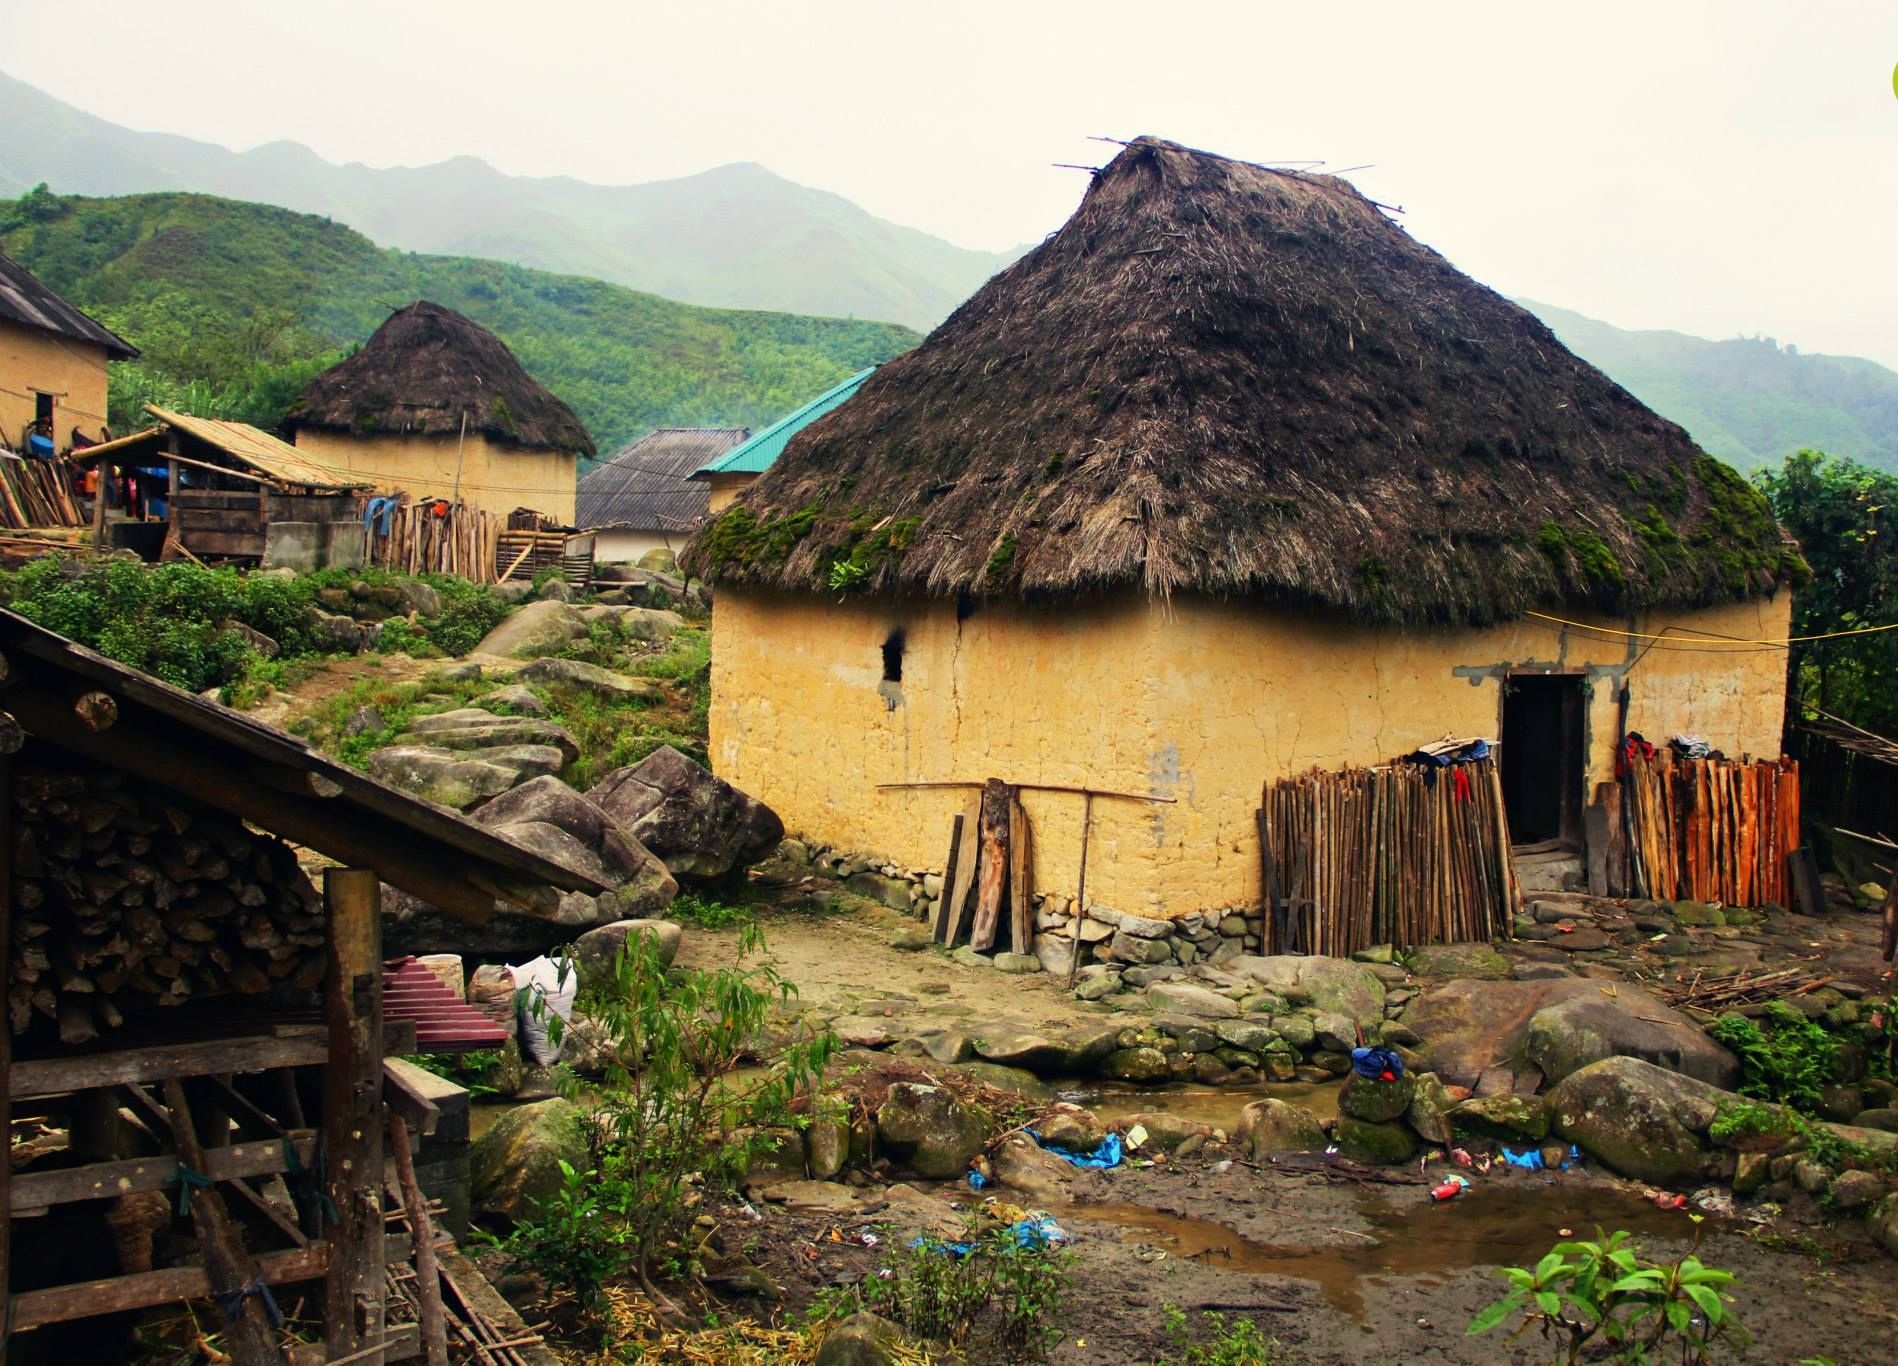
(692, 908)
(581, 1237)
(473, 1072)
(669, 1109)
(988, 1280)
(1604, 1296)
(1230, 1344)
(1789, 1059)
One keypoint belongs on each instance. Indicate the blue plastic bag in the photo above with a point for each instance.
(1108, 1153)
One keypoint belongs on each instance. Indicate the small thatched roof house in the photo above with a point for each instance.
(642, 498)
(1228, 478)
(436, 406)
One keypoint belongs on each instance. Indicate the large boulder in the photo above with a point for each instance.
(471, 728)
(641, 884)
(1459, 960)
(589, 678)
(1376, 1102)
(449, 778)
(537, 629)
(517, 1162)
(1556, 1025)
(698, 825)
(1643, 1121)
(1277, 1126)
(1067, 1053)
(1328, 984)
(930, 1131)
(863, 1339)
(594, 951)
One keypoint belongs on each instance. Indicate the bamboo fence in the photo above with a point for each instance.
(434, 537)
(1705, 829)
(1386, 856)
(38, 493)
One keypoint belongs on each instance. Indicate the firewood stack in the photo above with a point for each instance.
(125, 897)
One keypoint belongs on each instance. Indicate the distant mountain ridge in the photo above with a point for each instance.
(1751, 402)
(736, 236)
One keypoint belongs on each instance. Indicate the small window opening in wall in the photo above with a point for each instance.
(43, 413)
(893, 656)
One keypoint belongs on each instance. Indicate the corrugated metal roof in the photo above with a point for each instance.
(24, 300)
(260, 451)
(645, 486)
(756, 455)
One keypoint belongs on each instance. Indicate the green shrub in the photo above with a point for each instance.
(989, 1287)
(1785, 1057)
(690, 908)
(1604, 1298)
(1236, 1344)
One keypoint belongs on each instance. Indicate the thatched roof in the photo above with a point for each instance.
(422, 371)
(25, 300)
(645, 486)
(1230, 380)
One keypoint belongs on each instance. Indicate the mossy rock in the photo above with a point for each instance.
(1510, 1118)
(1383, 1145)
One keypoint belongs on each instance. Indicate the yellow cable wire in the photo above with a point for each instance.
(1710, 639)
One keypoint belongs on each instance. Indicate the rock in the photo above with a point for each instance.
(1024, 1084)
(651, 624)
(814, 1197)
(1511, 1118)
(1296, 1030)
(1166, 1132)
(1430, 1106)
(1143, 1063)
(470, 728)
(1382, 1145)
(333, 633)
(1469, 1027)
(1330, 984)
(1276, 1126)
(1643, 1121)
(448, 778)
(1335, 1033)
(1883, 1224)
(1377, 1102)
(537, 629)
(1587, 940)
(1130, 948)
(556, 590)
(827, 1146)
(698, 825)
(1841, 1104)
(1021, 1164)
(1698, 913)
(1750, 1172)
(660, 559)
(1055, 953)
(589, 678)
(517, 698)
(946, 1045)
(1072, 1129)
(916, 1215)
(929, 1129)
(1073, 1053)
(1247, 1034)
(588, 1047)
(1018, 964)
(254, 640)
(1460, 961)
(1854, 1190)
(362, 721)
(641, 884)
(1884, 1119)
(863, 1339)
(1191, 999)
(465, 672)
(594, 951)
(864, 1031)
(517, 1161)
(911, 939)
(1145, 927)
(890, 891)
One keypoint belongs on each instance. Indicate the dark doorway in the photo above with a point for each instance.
(1543, 757)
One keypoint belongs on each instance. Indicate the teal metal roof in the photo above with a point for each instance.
(757, 455)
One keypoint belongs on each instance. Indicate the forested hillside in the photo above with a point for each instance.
(236, 305)
(1751, 402)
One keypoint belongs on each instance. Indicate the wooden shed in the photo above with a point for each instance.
(227, 491)
(192, 1025)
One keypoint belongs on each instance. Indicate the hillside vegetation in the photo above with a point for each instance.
(1749, 401)
(235, 306)
(731, 237)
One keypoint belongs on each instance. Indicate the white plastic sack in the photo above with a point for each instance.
(543, 981)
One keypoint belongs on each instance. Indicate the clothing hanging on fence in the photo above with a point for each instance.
(379, 515)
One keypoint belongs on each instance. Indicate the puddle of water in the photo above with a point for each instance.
(1219, 1106)
(1408, 1236)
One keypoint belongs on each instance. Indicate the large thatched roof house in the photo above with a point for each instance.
(436, 406)
(1228, 478)
(643, 498)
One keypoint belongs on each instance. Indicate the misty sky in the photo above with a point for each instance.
(1722, 169)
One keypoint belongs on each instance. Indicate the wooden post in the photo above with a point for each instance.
(945, 914)
(6, 1060)
(1080, 891)
(955, 919)
(1021, 896)
(352, 1114)
(428, 1275)
(991, 878)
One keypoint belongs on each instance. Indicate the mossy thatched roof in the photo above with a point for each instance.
(1245, 382)
(423, 371)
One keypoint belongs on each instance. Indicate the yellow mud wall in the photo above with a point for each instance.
(73, 372)
(1198, 701)
(622, 546)
(493, 477)
(726, 487)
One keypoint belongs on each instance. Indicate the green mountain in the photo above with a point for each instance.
(733, 237)
(1751, 402)
(235, 306)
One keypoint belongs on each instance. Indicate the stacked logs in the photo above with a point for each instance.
(125, 898)
(1712, 829)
